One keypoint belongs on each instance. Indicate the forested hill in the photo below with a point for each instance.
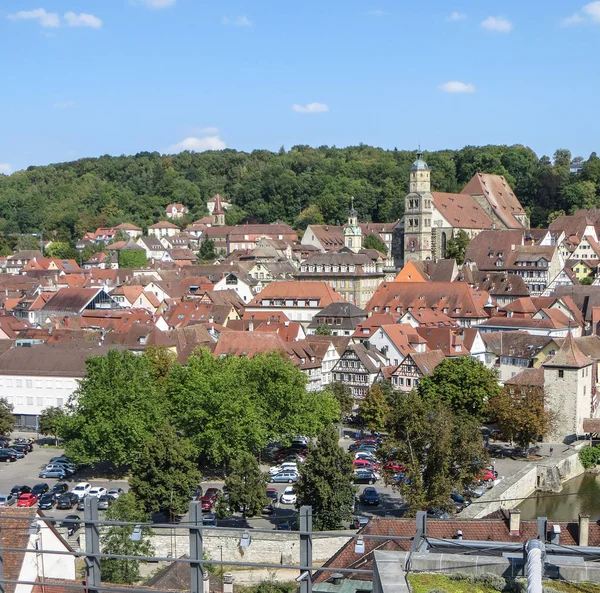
(300, 186)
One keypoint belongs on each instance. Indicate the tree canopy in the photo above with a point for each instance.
(7, 420)
(246, 486)
(302, 185)
(463, 383)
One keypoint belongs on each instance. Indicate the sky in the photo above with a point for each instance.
(85, 78)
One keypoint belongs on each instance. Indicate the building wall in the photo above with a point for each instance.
(31, 394)
(570, 398)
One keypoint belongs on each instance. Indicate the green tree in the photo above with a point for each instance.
(326, 482)
(456, 247)
(207, 250)
(132, 258)
(587, 281)
(343, 395)
(246, 486)
(117, 540)
(371, 241)
(554, 215)
(521, 413)
(374, 409)
(7, 420)
(61, 250)
(162, 360)
(323, 330)
(234, 404)
(439, 449)
(165, 472)
(463, 383)
(50, 420)
(310, 215)
(115, 410)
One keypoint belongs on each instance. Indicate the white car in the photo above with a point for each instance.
(82, 489)
(368, 456)
(284, 467)
(288, 496)
(97, 492)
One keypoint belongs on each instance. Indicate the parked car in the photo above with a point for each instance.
(18, 490)
(104, 502)
(268, 509)
(209, 499)
(293, 459)
(97, 491)
(21, 448)
(400, 477)
(435, 513)
(273, 495)
(7, 500)
(365, 476)
(81, 504)
(284, 526)
(284, 467)
(475, 491)
(288, 496)
(19, 454)
(69, 469)
(393, 466)
(27, 500)
(370, 496)
(46, 501)
(282, 477)
(22, 443)
(40, 489)
(459, 501)
(7, 455)
(115, 492)
(366, 455)
(61, 459)
(68, 500)
(59, 489)
(72, 523)
(55, 472)
(359, 521)
(487, 475)
(82, 489)
(364, 464)
(210, 519)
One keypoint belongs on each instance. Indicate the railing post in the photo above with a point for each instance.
(196, 551)
(1, 564)
(92, 543)
(306, 548)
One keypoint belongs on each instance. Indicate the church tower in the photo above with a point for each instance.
(418, 212)
(218, 212)
(352, 232)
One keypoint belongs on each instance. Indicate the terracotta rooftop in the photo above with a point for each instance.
(569, 356)
(461, 211)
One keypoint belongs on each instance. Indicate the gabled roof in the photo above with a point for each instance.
(427, 361)
(72, 300)
(519, 344)
(461, 211)
(569, 356)
(528, 377)
(163, 224)
(492, 245)
(331, 237)
(320, 291)
(444, 339)
(127, 226)
(500, 196)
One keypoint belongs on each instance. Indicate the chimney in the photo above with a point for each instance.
(251, 326)
(514, 525)
(227, 583)
(555, 535)
(584, 529)
(459, 534)
(336, 578)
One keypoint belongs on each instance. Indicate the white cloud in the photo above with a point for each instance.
(5, 169)
(157, 3)
(497, 24)
(82, 19)
(457, 16)
(377, 12)
(64, 105)
(46, 19)
(238, 21)
(574, 19)
(198, 144)
(311, 108)
(593, 11)
(456, 87)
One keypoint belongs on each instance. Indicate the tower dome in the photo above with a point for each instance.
(419, 164)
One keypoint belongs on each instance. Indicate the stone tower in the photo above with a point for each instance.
(568, 384)
(418, 212)
(218, 212)
(352, 232)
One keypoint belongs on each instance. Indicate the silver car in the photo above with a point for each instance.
(7, 500)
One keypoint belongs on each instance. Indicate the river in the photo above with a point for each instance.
(584, 498)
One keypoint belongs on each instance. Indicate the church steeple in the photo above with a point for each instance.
(353, 232)
(420, 176)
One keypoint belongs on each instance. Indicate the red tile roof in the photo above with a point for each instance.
(461, 211)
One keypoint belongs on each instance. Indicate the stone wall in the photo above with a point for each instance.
(280, 547)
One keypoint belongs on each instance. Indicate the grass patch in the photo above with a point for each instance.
(425, 582)
(566, 587)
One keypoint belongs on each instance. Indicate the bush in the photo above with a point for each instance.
(589, 456)
(491, 580)
(459, 576)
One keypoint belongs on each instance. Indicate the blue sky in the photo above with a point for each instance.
(86, 78)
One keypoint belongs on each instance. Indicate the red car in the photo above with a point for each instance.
(487, 475)
(209, 499)
(394, 466)
(364, 464)
(27, 500)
